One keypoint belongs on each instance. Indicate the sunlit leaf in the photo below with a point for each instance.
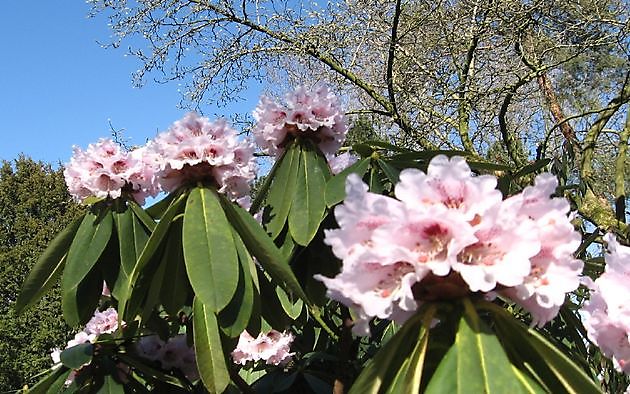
(282, 191)
(307, 209)
(209, 250)
(77, 356)
(211, 361)
(336, 186)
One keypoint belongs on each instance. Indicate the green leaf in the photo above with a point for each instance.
(336, 186)
(408, 378)
(48, 383)
(208, 352)
(375, 184)
(388, 146)
(384, 369)
(110, 386)
(535, 353)
(476, 362)
(159, 209)
(132, 237)
(282, 190)
(152, 245)
(149, 372)
(292, 308)
(80, 272)
(262, 247)
(235, 317)
(89, 243)
(145, 218)
(209, 250)
(308, 205)
(427, 155)
(176, 287)
(391, 172)
(48, 267)
(77, 356)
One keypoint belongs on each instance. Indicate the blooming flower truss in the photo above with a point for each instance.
(196, 149)
(449, 233)
(104, 322)
(607, 313)
(273, 347)
(104, 169)
(315, 115)
(174, 353)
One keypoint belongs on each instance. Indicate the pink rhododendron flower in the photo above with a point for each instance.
(195, 149)
(316, 115)
(341, 162)
(273, 347)
(174, 353)
(607, 313)
(104, 322)
(104, 169)
(449, 233)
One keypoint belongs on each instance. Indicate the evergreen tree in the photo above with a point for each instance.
(34, 207)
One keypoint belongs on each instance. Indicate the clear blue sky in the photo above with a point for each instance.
(59, 87)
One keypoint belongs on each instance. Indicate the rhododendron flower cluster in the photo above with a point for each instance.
(273, 347)
(174, 353)
(315, 115)
(196, 149)
(104, 322)
(447, 234)
(607, 313)
(104, 169)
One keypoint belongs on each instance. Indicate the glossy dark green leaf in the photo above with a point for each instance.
(336, 186)
(78, 304)
(408, 377)
(318, 385)
(209, 250)
(48, 383)
(211, 361)
(307, 209)
(153, 244)
(77, 356)
(175, 288)
(89, 243)
(235, 317)
(157, 210)
(132, 237)
(282, 191)
(262, 247)
(477, 363)
(555, 370)
(110, 386)
(48, 267)
(388, 146)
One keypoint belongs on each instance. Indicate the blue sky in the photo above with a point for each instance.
(60, 88)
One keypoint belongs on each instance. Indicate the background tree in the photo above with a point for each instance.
(34, 206)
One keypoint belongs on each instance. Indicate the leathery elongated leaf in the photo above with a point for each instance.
(554, 369)
(307, 209)
(477, 363)
(48, 267)
(176, 287)
(262, 247)
(132, 237)
(397, 358)
(46, 383)
(282, 190)
(151, 246)
(336, 186)
(211, 361)
(209, 250)
(235, 317)
(90, 241)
